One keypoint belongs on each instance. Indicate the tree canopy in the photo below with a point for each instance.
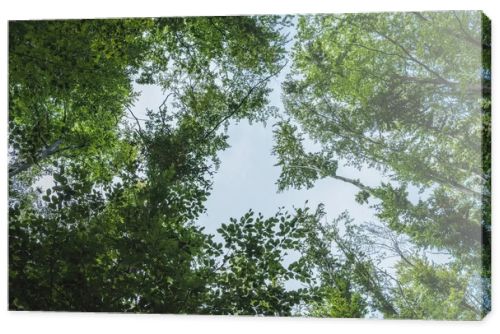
(104, 202)
(406, 94)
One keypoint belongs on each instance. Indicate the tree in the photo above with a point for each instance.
(381, 98)
(251, 276)
(68, 96)
(335, 289)
(60, 88)
(407, 94)
(282, 265)
(116, 230)
(433, 291)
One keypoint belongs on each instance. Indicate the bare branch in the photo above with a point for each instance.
(137, 121)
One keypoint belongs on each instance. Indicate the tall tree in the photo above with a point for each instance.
(406, 94)
(68, 96)
(116, 229)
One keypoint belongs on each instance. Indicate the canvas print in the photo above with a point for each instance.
(329, 165)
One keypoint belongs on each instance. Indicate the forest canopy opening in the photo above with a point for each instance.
(382, 121)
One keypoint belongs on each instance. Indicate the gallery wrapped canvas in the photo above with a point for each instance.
(330, 165)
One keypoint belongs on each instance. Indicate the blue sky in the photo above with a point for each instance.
(247, 175)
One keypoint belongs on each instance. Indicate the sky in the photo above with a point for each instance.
(247, 175)
(246, 178)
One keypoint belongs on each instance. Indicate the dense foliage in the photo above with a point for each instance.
(104, 203)
(409, 95)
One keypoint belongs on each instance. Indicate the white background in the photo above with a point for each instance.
(50, 322)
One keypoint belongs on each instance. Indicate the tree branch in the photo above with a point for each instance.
(21, 166)
(141, 134)
(245, 98)
(412, 58)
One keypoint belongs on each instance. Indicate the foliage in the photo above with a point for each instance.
(252, 276)
(298, 168)
(406, 94)
(434, 291)
(86, 247)
(60, 88)
(103, 205)
(115, 231)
